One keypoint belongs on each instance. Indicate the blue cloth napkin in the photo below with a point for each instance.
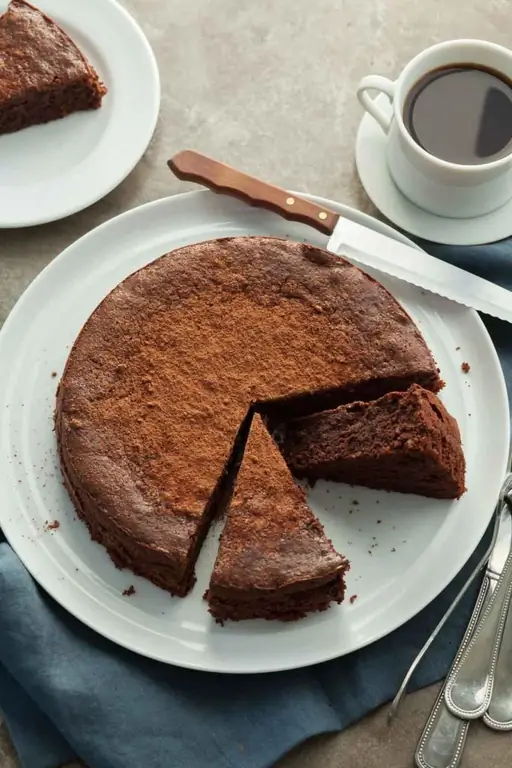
(66, 692)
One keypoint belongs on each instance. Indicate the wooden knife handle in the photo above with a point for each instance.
(221, 178)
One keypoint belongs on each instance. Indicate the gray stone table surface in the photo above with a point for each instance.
(268, 86)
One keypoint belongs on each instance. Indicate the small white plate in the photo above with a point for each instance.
(404, 549)
(379, 186)
(51, 171)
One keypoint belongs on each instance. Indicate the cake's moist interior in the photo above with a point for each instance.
(280, 411)
(52, 104)
(288, 607)
(398, 442)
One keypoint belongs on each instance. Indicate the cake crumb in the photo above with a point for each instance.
(352, 599)
(52, 526)
(466, 367)
(130, 591)
(393, 550)
(54, 374)
(457, 349)
(355, 502)
(379, 522)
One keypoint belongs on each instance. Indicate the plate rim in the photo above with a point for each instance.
(86, 201)
(70, 605)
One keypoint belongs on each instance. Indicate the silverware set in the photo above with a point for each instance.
(479, 683)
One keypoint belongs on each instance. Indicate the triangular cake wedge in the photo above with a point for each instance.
(275, 560)
(404, 441)
(43, 75)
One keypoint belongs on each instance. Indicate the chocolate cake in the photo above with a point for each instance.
(166, 369)
(274, 559)
(43, 75)
(404, 441)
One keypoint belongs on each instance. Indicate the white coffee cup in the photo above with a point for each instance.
(443, 188)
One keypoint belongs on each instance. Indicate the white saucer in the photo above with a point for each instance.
(385, 195)
(51, 171)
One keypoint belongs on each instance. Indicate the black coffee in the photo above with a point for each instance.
(462, 114)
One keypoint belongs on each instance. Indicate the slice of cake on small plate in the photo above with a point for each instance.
(43, 74)
(404, 441)
(275, 560)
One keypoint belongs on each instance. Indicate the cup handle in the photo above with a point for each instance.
(377, 83)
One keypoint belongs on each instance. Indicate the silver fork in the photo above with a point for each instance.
(499, 713)
(470, 683)
(443, 739)
(444, 735)
(442, 742)
(395, 704)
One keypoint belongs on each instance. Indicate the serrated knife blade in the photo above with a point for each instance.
(371, 249)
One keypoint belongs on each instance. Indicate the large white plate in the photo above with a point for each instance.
(51, 171)
(398, 564)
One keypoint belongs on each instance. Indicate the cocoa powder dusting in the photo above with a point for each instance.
(271, 537)
(211, 332)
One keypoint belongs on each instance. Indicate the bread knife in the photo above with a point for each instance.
(348, 239)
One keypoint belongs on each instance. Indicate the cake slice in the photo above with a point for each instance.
(43, 75)
(274, 559)
(404, 441)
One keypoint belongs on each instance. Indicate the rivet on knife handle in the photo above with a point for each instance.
(442, 742)
(225, 180)
(469, 688)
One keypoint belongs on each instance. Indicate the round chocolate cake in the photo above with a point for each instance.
(165, 373)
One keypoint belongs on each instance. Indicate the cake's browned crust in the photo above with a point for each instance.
(165, 369)
(405, 441)
(43, 75)
(274, 559)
